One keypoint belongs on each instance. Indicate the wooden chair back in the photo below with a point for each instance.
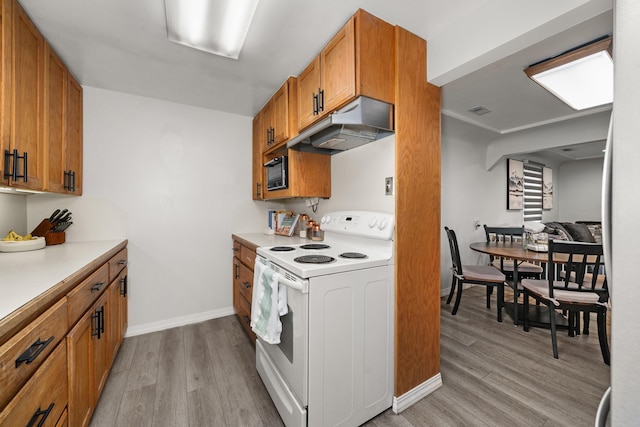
(582, 258)
(456, 264)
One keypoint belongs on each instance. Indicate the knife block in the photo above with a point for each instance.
(44, 230)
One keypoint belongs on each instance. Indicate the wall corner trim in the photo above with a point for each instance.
(418, 392)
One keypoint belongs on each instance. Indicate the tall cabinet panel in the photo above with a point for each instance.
(73, 146)
(26, 102)
(55, 87)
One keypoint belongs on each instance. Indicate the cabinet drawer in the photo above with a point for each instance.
(245, 282)
(247, 256)
(86, 293)
(43, 399)
(245, 313)
(22, 354)
(117, 263)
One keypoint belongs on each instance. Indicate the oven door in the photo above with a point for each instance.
(284, 367)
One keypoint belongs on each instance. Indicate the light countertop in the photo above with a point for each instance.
(26, 275)
(261, 239)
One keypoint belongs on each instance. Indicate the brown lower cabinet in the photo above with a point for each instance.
(41, 386)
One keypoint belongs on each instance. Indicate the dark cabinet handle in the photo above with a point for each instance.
(320, 100)
(97, 287)
(315, 104)
(246, 285)
(33, 351)
(37, 414)
(15, 158)
(237, 270)
(7, 164)
(73, 181)
(247, 319)
(97, 320)
(66, 178)
(258, 189)
(123, 286)
(122, 262)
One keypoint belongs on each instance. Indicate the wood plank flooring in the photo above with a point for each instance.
(493, 374)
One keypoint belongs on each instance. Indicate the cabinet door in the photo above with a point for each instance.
(308, 86)
(103, 310)
(6, 9)
(258, 168)
(55, 88)
(27, 82)
(73, 146)
(280, 103)
(268, 125)
(338, 65)
(80, 359)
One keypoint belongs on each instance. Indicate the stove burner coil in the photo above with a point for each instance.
(314, 259)
(315, 246)
(282, 249)
(353, 255)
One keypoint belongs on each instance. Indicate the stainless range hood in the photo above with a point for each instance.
(357, 123)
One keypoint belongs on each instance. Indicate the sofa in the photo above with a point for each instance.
(579, 231)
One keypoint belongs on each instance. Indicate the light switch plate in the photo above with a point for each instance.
(388, 186)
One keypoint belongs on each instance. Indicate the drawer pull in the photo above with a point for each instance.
(32, 352)
(247, 319)
(247, 285)
(123, 286)
(37, 414)
(97, 287)
(122, 262)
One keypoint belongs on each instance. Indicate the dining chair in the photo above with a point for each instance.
(572, 292)
(525, 269)
(485, 275)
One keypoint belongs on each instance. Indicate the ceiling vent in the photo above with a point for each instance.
(479, 110)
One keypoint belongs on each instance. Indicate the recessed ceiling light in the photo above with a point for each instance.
(581, 78)
(215, 26)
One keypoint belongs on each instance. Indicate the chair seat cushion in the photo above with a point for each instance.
(484, 273)
(561, 296)
(523, 267)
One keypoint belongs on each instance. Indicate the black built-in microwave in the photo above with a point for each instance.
(277, 173)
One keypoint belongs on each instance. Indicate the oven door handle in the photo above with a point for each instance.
(289, 283)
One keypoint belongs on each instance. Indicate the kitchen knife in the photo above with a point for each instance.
(62, 226)
(60, 216)
(53, 215)
(66, 218)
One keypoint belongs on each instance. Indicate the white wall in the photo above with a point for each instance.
(625, 338)
(176, 181)
(357, 180)
(580, 184)
(13, 214)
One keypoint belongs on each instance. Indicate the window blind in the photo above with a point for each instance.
(532, 191)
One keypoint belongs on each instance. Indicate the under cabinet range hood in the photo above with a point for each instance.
(357, 123)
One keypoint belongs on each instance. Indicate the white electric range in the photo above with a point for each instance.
(334, 362)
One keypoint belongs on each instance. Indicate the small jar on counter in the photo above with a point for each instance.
(316, 233)
(302, 225)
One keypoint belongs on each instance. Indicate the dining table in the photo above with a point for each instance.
(538, 316)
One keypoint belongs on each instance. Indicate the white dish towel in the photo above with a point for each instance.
(268, 303)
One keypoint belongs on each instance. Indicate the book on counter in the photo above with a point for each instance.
(286, 223)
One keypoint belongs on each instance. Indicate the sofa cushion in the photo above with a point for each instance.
(579, 232)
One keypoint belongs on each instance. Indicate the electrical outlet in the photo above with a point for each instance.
(388, 186)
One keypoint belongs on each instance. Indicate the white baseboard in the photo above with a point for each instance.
(177, 321)
(412, 396)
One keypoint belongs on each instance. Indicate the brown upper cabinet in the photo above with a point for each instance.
(357, 61)
(279, 116)
(258, 168)
(23, 165)
(40, 108)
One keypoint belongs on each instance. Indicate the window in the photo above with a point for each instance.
(532, 191)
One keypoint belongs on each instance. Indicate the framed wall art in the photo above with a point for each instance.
(515, 184)
(547, 188)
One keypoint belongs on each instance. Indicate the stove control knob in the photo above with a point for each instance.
(373, 222)
(325, 219)
(383, 224)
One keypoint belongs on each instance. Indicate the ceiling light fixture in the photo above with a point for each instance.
(581, 77)
(215, 26)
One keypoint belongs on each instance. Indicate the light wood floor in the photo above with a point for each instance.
(494, 374)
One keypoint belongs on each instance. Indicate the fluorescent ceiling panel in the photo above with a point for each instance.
(584, 79)
(214, 26)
